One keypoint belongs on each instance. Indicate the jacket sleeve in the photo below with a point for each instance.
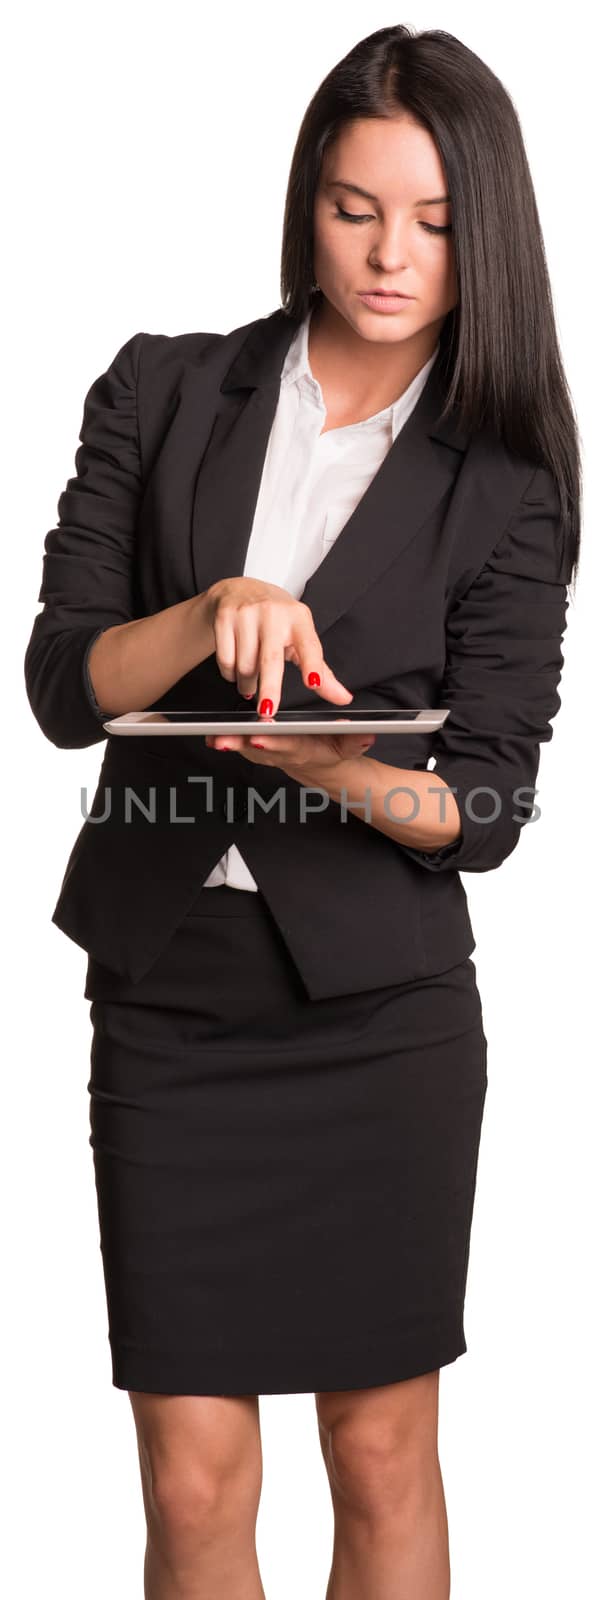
(503, 665)
(87, 580)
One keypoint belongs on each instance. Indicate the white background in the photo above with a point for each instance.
(146, 154)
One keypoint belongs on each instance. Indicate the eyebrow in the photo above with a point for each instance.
(339, 183)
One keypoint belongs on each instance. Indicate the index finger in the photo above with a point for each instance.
(316, 673)
(271, 667)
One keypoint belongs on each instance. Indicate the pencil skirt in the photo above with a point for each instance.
(285, 1186)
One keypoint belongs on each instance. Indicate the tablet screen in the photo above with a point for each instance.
(317, 712)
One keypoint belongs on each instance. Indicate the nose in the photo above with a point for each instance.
(390, 251)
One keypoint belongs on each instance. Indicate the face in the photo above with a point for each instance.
(393, 237)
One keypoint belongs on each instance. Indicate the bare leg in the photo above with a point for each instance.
(200, 1460)
(391, 1537)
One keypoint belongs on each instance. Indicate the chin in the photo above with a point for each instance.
(388, 329)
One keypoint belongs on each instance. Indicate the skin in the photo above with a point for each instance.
(363, 361)
(200, 1455)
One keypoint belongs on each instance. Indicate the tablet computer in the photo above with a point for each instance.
(323, 719)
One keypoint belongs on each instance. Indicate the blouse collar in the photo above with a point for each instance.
(297, 369)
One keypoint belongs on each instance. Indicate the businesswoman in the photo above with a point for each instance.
(368, 497)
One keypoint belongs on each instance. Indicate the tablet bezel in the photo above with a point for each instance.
(410, 721)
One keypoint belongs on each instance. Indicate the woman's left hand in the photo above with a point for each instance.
(294, 752)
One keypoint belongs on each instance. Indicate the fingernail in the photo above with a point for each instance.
(256, 745)
(314, 680)
(265, 707)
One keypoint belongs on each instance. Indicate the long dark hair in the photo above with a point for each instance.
(499, 348)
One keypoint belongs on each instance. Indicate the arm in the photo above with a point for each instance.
(134, 663)
(87, 583)
(365, 786)
(503, 666)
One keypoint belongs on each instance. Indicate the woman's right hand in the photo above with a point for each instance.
(257, 627)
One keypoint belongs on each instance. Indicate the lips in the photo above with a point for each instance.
(388, 294)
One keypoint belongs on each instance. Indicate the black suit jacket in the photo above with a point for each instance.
(447, 586)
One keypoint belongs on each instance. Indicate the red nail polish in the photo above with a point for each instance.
(265, 707)
(314, 679)
(256, 746)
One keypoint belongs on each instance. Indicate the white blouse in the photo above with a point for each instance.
(311, 484)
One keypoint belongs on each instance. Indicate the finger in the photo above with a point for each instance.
(241, 746)
(353, 744)
(316, 673)
(225, 644)
(270, 675)
(247, 646)
(273, 742)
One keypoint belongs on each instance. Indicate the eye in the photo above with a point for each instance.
(350, 216)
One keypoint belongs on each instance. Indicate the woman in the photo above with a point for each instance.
(286, 1128)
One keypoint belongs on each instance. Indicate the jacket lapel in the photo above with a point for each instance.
(416, 473)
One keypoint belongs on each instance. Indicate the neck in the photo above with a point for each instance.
(368, 372)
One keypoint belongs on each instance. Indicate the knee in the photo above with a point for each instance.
(374, 1468)
(192, 1502)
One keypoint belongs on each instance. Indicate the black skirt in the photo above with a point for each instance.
(285, 1186)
